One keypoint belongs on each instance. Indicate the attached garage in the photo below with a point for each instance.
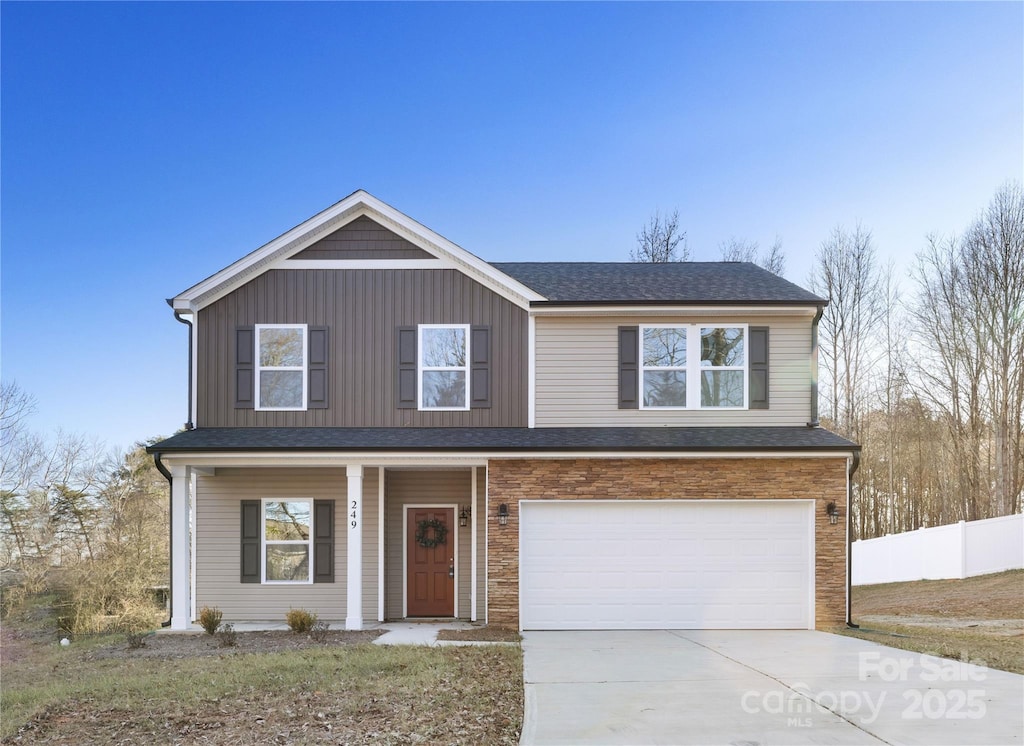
(667, 564)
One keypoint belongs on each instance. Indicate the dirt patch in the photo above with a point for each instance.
(14, 646)
(481, 634)
(176, 646)
(1005, 627)
(997, 596)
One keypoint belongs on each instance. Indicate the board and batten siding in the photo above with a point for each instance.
(217, 517)
(577, 374)
(408, 488)
(362, 309)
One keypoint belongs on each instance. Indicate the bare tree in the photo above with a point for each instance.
(741, 250)
(971, 331)
(774, 259)
(660, 240)
(845, 272)
(994, 271)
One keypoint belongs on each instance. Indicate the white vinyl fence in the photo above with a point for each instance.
(959, 550)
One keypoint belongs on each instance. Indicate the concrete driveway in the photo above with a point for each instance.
(756, 688)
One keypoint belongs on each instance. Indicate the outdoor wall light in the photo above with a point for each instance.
(503, 514)
(833, 513)
(464, 517)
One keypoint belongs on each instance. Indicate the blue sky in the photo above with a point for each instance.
(145, 146)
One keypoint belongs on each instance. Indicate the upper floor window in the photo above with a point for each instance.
(444, 366)
(723, 369)
(664, 366)
(692, 366)
(281, 366)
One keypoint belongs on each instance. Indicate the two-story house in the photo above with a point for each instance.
(388, 427)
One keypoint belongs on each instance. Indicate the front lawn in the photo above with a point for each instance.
(337, 691)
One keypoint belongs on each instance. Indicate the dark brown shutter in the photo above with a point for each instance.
(629, 367)
(323, 541)
(318, 352)
(758, 367)
(480, 367)
(245, 370)
(251, 540)
(405, 372)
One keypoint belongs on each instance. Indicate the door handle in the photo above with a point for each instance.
(451, 570)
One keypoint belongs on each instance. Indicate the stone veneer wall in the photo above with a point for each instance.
(820, 479)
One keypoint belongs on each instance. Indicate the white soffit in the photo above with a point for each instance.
(276, 253)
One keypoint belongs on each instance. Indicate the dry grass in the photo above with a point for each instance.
(481, 634)
(977, 619)
(340, 691)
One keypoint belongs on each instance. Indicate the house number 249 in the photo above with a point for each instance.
(352, 515)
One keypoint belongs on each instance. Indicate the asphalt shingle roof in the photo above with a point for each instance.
(671, 282)
(490, 439)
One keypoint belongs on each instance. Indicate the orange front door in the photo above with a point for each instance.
(430, 569)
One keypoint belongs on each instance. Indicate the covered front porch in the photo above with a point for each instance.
(376, 541)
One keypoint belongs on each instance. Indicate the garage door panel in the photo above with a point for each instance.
(665, 564)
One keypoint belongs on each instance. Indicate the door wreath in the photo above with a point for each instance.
(425, 538)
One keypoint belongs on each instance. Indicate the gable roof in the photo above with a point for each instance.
(359, 203)
(526, 284)
(712, 283)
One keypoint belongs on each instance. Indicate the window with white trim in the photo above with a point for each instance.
(663, 365)
(693, 366)
(287, 550)
(723, 367)
(444, 366)
(281, 359)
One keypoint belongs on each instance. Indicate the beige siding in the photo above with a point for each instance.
(430, 487)
(577, 375)
(217, 544)
(362, 309)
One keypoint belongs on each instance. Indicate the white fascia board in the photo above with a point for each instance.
(361, 264)
(355, 205)
(390, 459)
(679, 310)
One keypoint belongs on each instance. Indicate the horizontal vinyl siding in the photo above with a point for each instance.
(363, 239)
(362, 309)
(433, 487)
(577, 375)
(217, 544)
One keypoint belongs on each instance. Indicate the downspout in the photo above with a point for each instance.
(170, 529)
(815, 422)
(188, 419)
(854, 464)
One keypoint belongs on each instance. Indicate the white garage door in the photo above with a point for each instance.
(659, 564)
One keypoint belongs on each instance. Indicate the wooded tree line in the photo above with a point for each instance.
(76, 521)
(930, 382)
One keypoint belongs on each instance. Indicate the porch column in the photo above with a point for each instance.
(354, 521)
(181, 550)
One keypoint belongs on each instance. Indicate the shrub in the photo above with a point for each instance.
(319, 631)
(209, 619)
(227, 636)
(135, 640)
(300, 620)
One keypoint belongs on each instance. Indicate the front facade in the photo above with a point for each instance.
(383, 426)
